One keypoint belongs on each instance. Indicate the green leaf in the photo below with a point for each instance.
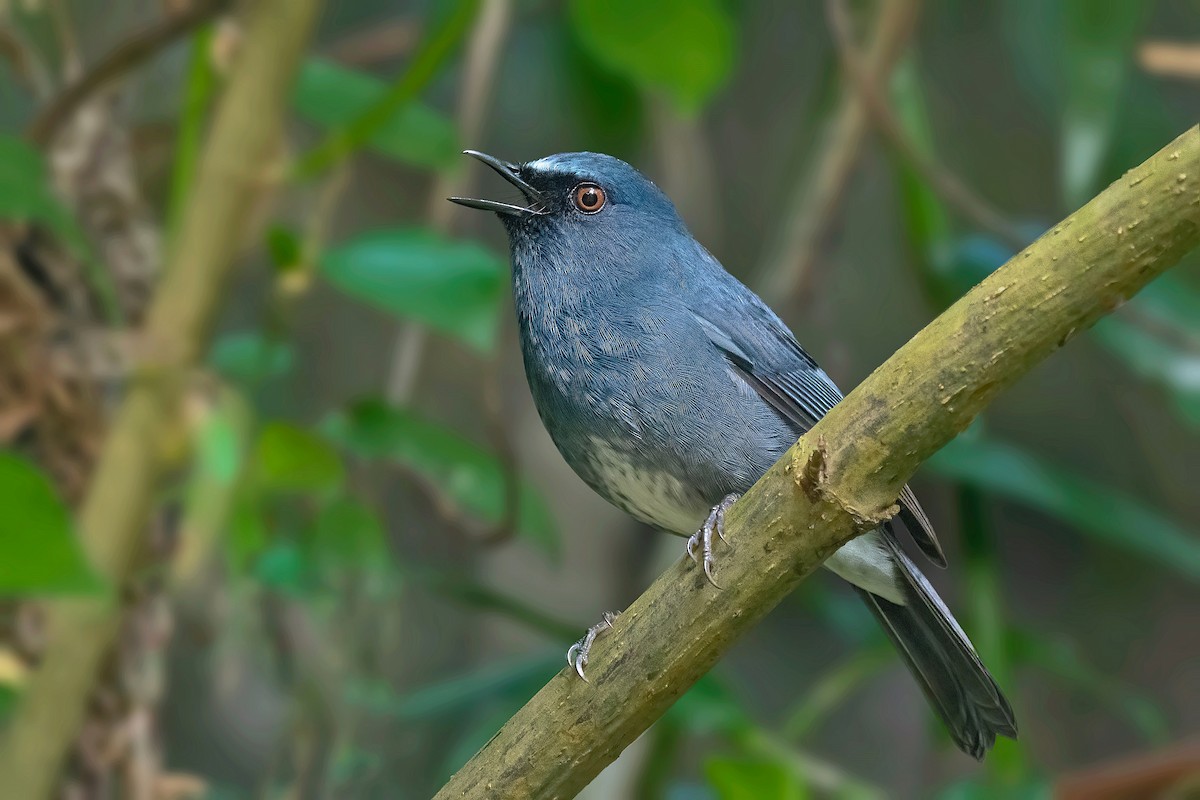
(1032, 788)
(25, 192)
(1098, 510)
(752, 779)
(466, 473)
(334, 96)
(247, 535)
(293, 459)
(684, 48)
(39, 553)
(349, 534)
(451, 285)
(283, 566)
(284, 246)
(249, 357)
(517, 679)
(1098, 45)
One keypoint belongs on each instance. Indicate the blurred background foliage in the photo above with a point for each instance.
(375, 555)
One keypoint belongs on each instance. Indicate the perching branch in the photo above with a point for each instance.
(842, 478)
(235, 168)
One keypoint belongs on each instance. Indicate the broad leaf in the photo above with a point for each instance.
(349, 534)
(292, 459)
(25, 192)
(249, 357)
(465, 472)
(1095, 509)
(333, 96)
(752, 779)
(39, 553)
(451, 285)
(684, 48)
(1098, 44)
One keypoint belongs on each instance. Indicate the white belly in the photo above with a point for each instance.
(652, 496)
(663, 501)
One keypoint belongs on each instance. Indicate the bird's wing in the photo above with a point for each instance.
(764, 353)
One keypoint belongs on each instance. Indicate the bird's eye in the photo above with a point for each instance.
(589, 198)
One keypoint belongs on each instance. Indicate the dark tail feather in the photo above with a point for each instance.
(944, 663)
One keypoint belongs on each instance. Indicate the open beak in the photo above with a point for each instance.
(508, 171)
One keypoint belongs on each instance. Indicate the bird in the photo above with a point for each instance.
(670, 387)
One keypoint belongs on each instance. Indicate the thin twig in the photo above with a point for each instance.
(954, 192)
(790, 266)
(425, 64)
(26, 64)
(122, 59)
(484, 48)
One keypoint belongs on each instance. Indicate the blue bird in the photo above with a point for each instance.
(670, 388)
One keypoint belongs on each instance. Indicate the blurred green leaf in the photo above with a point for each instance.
(1095, 509)
(219, 444)
(290, 458)
(39, 553)
(199, 87)
(453, 286)
(518, 678)
(247, 531)
(349, 534)
(8, 701)
(682, 47)
(831, 690)
(1060, 659)
(248, 357)
(25, 192)
(284, 567)
(469, 475)
(284, 246)
(334, 96)
(752, 779)
(1098, 44)
(710, 706)
(980, 788)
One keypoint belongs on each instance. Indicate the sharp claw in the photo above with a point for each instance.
(572, 651)
(691, 547)
(579, 669)
(708, 562)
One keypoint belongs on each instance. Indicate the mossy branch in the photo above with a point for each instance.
(234, 171)
(843, 477)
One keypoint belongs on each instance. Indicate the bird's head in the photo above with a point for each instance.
(580, 207)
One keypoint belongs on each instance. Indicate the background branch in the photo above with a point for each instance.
(126, 56)
(842, 478)
(147, 427)
(954, 192)
(813, 208)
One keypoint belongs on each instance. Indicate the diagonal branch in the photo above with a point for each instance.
(953, 191)
(125, 57)
(816, 200)
(843, 477)
(145, 432)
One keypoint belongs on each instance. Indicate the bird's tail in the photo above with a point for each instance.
(941, 658)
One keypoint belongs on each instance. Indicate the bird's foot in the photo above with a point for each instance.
(703, 538)
(577, 654)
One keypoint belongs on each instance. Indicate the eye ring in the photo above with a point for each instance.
(588, 198)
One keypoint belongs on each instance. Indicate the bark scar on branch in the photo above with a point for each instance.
(814, 480)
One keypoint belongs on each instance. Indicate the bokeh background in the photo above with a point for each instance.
(370, 553)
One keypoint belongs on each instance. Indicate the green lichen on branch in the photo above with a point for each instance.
(844, 474)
